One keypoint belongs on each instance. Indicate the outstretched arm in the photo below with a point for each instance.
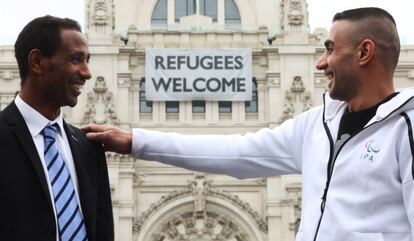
(267, 152)
(112, 138)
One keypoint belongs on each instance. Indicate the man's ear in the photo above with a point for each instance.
(366, 51)
(36, 61)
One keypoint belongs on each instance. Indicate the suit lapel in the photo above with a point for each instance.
(20, 129)
(84, 173)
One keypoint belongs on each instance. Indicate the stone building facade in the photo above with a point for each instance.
(156, 202)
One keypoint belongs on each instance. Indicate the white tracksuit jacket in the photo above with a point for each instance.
(370, 195)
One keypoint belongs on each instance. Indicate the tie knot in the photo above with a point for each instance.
(49, 132)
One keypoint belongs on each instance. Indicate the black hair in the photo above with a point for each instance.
(377, 25)
(362, 13)
(42, 33)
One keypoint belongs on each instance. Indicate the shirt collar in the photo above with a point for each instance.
(404, 101)
(35, 121)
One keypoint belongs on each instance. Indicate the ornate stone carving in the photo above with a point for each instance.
(200, 188)
(113, 157)
(100, 16)
(296, 204)
(242, 205)
(288, 107)
(295, 16)
(298, 201)
(139, 179)
(124, 82)
(138, 222)
(185, 227)
(101, 13)
(100, 107)
(296, 98)
(273, 79)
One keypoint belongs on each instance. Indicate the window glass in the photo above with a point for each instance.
(231, 12)
(209, 8)
(199, 106)
(251, 106)
(144, 105)
(184, 8)
(159, 16)
(171, 106)
(225, 106)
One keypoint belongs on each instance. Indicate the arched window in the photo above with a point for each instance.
(159, 16)
(231, 13)
(209, 8)
(184, 8)
(189, 7)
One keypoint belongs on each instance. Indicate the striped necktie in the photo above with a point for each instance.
(70, 221)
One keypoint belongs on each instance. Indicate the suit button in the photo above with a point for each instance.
(50, 232)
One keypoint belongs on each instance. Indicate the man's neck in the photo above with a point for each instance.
(48, 110)
(368, 100)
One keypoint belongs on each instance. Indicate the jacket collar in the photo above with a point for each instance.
(404, 101)
(331, 107)
(22, 133)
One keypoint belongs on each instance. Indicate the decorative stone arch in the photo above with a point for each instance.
(189, 215)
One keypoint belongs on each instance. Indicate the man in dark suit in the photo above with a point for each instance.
(53, 181)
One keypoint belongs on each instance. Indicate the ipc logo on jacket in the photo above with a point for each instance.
(371, 149)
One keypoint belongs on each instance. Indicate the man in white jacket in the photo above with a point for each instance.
(355, 153)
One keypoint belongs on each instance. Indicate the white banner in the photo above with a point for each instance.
(198, 74)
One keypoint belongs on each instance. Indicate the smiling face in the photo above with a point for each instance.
(67, 70)
(339, 62)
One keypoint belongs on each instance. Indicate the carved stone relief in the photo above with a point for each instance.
(210, 227)
(115, 157)
(100, 15)
(139, 179)
(297, 99)
(295, 16)
(199, 187)
(174, 195)
(100, 107)
(201, 221)
(273, 79)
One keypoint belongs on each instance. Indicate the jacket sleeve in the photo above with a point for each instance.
(406, 168)
(268, 152)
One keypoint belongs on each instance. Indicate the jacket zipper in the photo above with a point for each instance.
(328, 179)
(332, 160)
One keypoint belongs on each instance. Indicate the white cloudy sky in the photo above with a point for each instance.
(14, 14)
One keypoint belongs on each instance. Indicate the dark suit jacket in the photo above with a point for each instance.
(26, 212)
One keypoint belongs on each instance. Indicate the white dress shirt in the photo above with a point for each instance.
(36, 122)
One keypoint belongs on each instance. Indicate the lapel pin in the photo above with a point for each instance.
(74, 138)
